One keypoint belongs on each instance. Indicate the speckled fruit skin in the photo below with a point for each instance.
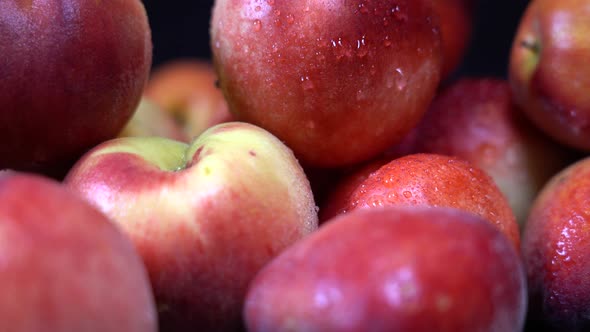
(476, 119)
(556, 250)
(186, 89)
(72, 74)
(65, 266)
(337, 81)
(549, 70)
(456, 28)
(436, 180)
(205, 216)
(393, 269)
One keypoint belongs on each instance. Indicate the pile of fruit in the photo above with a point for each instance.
(325, 172)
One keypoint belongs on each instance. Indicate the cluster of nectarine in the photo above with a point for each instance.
(324, 172)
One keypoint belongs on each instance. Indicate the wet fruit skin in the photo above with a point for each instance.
(72, 74)
(476, 119)
(393, 269)
(556, 251)
(549, 70)
(320, 73)
(436, 181)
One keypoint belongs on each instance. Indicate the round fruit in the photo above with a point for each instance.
(72, 74)
(337, 81)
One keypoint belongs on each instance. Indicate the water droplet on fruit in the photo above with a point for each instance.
(271, 2)
(407, 194)
(391, 197)
(290, 19)
(361, 46)
(341, 48)
(401, 81)
(360, 95)
(376, 201)
(307, 83)
(387, 42)
(373, 70)
(277, 12)
(257, 8)
(561, 248)
(257, 25)
(398, 14)
(363, 9)
(320, 57)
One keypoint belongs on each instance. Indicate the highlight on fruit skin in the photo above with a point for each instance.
(296, 69)
(549, 71)
(65, 266)
(205, 216)
(393, 269)
(476, 119)
(556, 252)
(435, 180)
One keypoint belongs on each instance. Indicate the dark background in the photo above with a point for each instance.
(181, 29)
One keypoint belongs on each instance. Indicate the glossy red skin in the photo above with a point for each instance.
(556, 251)
(436, 180)
(318, 73)
(65, 266)
(393, 269)
(186, 88)
(199, 279)
(456, 28)
(72, 74)
(554, 93)
(475, 119)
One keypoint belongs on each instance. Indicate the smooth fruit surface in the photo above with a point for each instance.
(65, 266)
(549, 69)
(556, 250)
(186, 89)
(151, 120)
(72, 74)
(456, 29)
(205, 217)
(393, 269)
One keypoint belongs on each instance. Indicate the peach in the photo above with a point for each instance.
(65, 266)
(436, 180)
(556, 251)
(72, 75)
(393, 269)
(318, 73)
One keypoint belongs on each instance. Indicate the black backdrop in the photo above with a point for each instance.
(181, 29)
